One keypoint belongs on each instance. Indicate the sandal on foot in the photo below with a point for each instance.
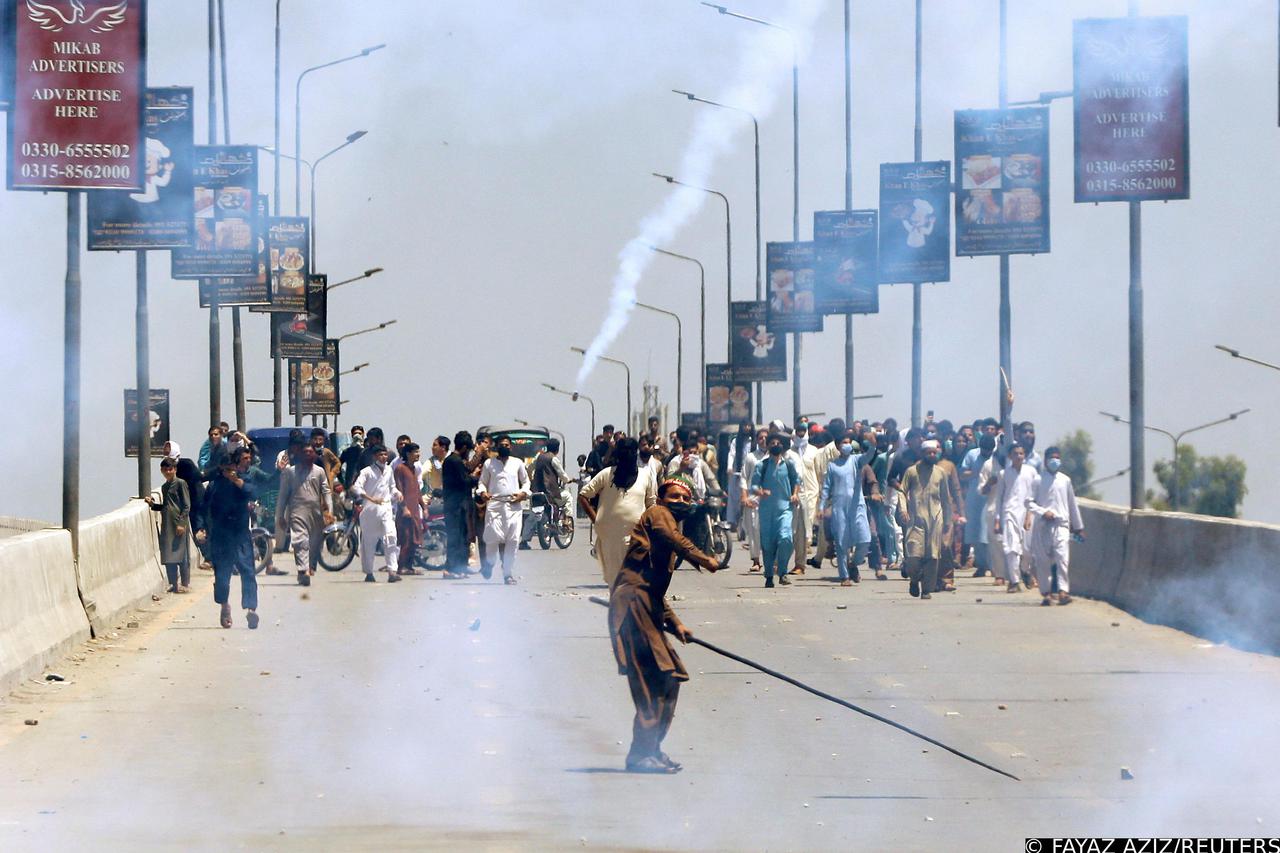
(226, 616)
(649, 764)
(392, 577)
(252, 618)
(511, 581)
(667, 760)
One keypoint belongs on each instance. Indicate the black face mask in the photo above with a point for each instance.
(775, 450)
(680, 511)
(645, 455)
(504, 452)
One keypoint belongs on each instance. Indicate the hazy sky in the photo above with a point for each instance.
(508, 161)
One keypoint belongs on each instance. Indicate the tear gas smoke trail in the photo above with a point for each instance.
(764, 64)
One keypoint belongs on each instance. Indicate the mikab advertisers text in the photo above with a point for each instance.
(319, 391)
(160, 215)
(1002, 204)
(78, 77)
(301, 334)
(845, 244)
(253, 292)
(225, 186)
(758, 355)
(157, 422)
(792, 305)
(915, 230)
(728, 398)
(1132, 132)
(288, 262)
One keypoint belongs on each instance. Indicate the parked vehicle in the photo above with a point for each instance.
(720, 538)
(551, 521)
(341, 541)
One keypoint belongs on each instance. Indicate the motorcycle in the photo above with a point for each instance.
(720, 539)
(551, 521)
(434, 550)
(261, 537)
(341, 540)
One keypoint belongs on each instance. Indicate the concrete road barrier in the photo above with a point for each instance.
(1098, 562)
(41, 618)
(119, 563)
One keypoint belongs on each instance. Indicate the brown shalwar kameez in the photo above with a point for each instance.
(638, 613)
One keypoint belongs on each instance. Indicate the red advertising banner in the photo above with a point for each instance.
(1132, 130)
(78, 80)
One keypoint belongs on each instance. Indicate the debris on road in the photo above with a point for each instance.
(265, 672)
(842, 607)
(1003, 707)
(133, 624)
(31, 722)
(1125, 774)
(53, 676)
(475, 625)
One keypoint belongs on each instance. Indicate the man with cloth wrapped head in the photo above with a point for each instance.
(638, 613)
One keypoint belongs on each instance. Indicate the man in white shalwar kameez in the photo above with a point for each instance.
(375, 485)
(506, 481)
(1053, 503)
(1017, 484)
(750, 522)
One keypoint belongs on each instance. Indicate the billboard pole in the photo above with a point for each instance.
(1006, 309)
(917, 332)
(237, 339)
(215, 329)
(848, 205)
(1137, 389)
(71, 379)
(277, 398)
(142, 331)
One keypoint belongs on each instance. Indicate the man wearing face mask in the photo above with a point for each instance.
(776, 485)
(735, 459)
(1053, 503)
(638, 613)
(350, 457)
(1017, 484)
(505, 481)
(951, 547)
(750, 503)
(845, 509)
(975, 502)
(376, 487)
(926, 515)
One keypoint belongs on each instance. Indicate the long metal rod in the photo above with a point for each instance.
(237, 338)
(848, 202)
(215, 328)
(277, 398)
(71, 379)
(141, 329)
(697, 641)
(1005, 319)
(755, 125)
(917, 307)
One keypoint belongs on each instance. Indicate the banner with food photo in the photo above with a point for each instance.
(288, 262)
(225, 190)
(759, 354)
(792, 305)
(1002, 203)
(160, 215)
(252, 292)
(157, 422)
(1132, 109)
(301, 334)
(845, 276)
(728, 398)
(319, 392)
(915, 230)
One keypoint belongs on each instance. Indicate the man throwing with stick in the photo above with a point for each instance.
(638, 613)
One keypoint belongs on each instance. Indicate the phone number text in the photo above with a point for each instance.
(1129, 167)
(76, 151)
(89, 172)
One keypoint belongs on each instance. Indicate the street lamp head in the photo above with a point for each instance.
(578, 350)
(369, 50)
(575, 396)
(371, 272)
(688, 95)
(666, 178)
(357, 135)
(1234, 353)
(723, 10)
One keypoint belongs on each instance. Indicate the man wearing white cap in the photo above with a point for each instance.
(926, 515)
(1053, 503)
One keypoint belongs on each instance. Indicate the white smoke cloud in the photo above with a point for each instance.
(764, 66)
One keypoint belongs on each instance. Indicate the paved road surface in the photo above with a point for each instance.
(363, 717)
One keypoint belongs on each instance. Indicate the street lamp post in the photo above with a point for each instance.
(755, 126)
(702, 318)
(1235, 353)
(297, 120)
(626, 367)
(376, 328)
(311, 169)
(1176, 438)
(369, 273)
(679, 349)
(795, 172)
(728, 253)
(575, 396)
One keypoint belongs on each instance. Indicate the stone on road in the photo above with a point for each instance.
(374, 716)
